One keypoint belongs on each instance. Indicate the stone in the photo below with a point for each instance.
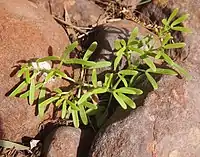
(26, 32)
(62, 142)
(167, 123)
(130, 3)
(53, 7)
(83, 12)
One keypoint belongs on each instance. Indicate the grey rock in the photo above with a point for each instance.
(54, 7)
(83, 12)
(62, 142)
(167, 125)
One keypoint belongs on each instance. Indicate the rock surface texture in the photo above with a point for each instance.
(26, 32)
(54, 7)
(83, 12)
(80, 12)
(130, 3)
(62, 142)
(168, 123)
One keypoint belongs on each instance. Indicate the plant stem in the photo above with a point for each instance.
(117, 83)
(60, 65)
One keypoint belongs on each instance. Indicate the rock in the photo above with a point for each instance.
(167, 125)
(62, 142)
(54, 7)
(83, 12)
(130, 3)
(26, 32)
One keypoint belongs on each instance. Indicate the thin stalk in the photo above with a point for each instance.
(117, 83)
(109, 102)
(60, 65)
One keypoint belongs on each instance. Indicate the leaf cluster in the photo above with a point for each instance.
(82, 100)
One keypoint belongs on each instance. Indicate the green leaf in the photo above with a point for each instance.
(163, 71)
(42, 106)
(18, 89)
(117, 61)
(182, 29)
(75, 118)
(90, 50)
(27, 76)
(63, 75)
(123, 42)
(168, 59)
(60, 73)
(32, 92)
(91, 112)
(41, 98)
(79, 61)
(84, 97)
(83, 115)
(99, 90)
(123, 80)
(182, 71)
(127, 100)
(101, 64)
(49, 58)
(73, 105)
(120, 100)
(49, 76)
(69, 49)
(158, 55)
(117, 44)
(120, 51)
(164, 21)
(151, 80)
(180, 20)
(48, 101)
(59, 102)
(94, 78)
(26, 94)
(58, 90)
(150, 63)
(133, 35)
(107, 76)
(64, 109)
(8, 144)
(69, 111)
(166, 39)
(173, 14)
(128, 72)
(137, 50)
(174, 45)
(21, 71)
(129, 90)
(132, 80)
(90, 105)
(108, 80)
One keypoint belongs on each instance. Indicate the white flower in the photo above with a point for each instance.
(41, 65)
